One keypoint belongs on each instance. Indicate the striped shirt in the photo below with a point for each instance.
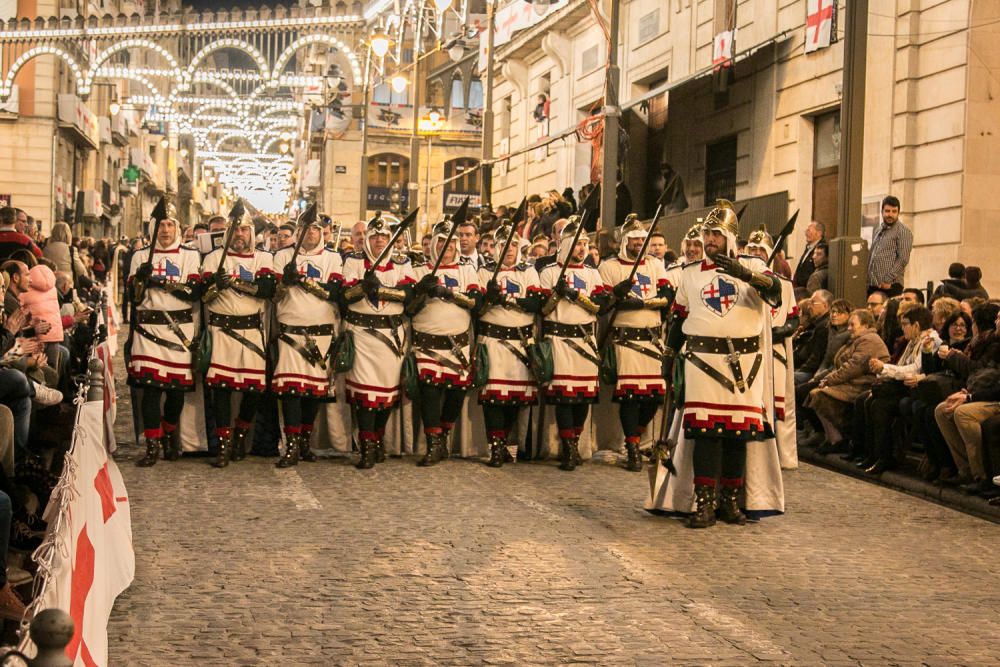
(889, 254)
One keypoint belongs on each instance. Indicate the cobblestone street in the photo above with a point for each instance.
(461, 564)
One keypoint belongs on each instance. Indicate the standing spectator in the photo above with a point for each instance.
(57, 249)
(890, 251)
(568, 196)
(657, 246)
(815, 233)
(781, 265)
(11, 239)
(912, 295)
(954, 282)
(820, 277)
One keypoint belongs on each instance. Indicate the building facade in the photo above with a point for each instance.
(770, 123)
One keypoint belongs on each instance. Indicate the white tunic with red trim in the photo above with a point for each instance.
(445, 318)
(784, 380)
(373, 381)
(719, 306)
(149, 362)
(510, 379)
(639, 376)
(574, 378)
(234, 365)
(294, 374)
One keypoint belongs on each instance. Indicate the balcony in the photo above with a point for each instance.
(78, 122)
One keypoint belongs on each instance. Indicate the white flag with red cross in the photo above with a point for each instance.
(821, 24)
(722, 49)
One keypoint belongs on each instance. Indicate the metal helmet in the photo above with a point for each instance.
(632, 228)
(566, 238)
(376, 227)
(693, 235)
(500, 236)
(441, 230)
(722, 218)
(759, 238)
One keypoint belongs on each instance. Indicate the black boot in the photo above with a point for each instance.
(704, 515)
(367, 449)
(225, 449)
(291, 456)
(729, 509)
(498, 447)
(568, 454)
(305, 449)
(380, 450)
(445, 443)
(634, 462)
(239, 443)
(435, 449)
(152, 453)
(171, 445)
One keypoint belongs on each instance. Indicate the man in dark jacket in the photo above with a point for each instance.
(812, 355)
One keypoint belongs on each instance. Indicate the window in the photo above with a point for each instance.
(386, 169)
(720, 171)
(468, 176)
(384, 94)
(457, 99)
(475, 94)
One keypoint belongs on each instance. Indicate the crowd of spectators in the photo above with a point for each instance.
(50, 289)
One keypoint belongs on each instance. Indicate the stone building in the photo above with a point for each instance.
(771, 124)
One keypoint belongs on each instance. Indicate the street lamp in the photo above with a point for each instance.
(399, 83)
(184, 152)
(380, 44)
(442, 5)
(164, 143)
(114, 108)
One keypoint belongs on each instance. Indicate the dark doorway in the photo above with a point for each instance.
(720, 171)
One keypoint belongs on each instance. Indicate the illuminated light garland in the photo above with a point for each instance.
(307, 40)
(229, 43)
(130, 44)
(8, 84)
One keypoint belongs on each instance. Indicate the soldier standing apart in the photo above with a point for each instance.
(442, 318)
(505, 327)
(235, 298)
(569, 318)
(637, 334)
(162, 335)
(719, 313)
(784, 322)
(372, 305)
(307, 322)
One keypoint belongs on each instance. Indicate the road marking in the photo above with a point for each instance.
(295, 489)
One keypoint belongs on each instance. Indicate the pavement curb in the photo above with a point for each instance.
(943, 495)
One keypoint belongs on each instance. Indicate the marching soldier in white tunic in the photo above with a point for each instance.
(569, 320)
(372, 303)
(307, 322)
(719, 313)
(784, 322)
(505, 327)
(636, 334)
(164, 289)
(691, 251)
(236, 293)
(442, 318)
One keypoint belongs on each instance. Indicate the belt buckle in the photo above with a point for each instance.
(733, 359)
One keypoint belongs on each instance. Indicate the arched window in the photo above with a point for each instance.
(467, 182)
(383, 93)
(384, 171)
(475, 94)
(457, 100)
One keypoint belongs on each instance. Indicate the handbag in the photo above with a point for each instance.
(411, 377)
(481, 369)
(343, 350)
(540, 356)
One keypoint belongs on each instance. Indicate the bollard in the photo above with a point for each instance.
(95, 380)
(51, 631)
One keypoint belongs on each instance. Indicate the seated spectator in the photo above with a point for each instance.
(969, 305)
(819, 278)
(11, 606)
(954, 281)
(960, 417)
(840, 312)
(813, 355)
(876, 303)
(913, 295)
(957, 331)
(943, 309)
(894, 383)
(851, 375)
(41, 300)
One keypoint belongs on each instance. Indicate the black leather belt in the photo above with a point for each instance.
(712, 345)
(234, 321)
(635, 334)
(162, 317)
(501, 332)
(306, 329)
(567, 330)
(373, 321)
(433, 342)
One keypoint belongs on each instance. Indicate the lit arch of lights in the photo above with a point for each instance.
(34, 52)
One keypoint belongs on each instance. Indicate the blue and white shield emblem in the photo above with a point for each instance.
(720, 295)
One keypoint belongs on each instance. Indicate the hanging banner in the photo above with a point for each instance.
(516, 16)
(821, 24)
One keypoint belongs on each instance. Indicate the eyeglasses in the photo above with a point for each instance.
(874, 303)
